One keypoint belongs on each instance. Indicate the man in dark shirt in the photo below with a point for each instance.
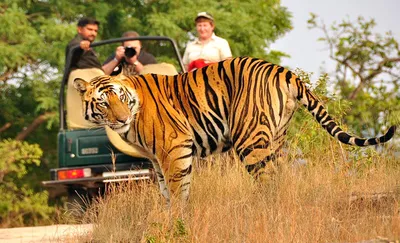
(125, 62)
(84, 65)
(84, 57)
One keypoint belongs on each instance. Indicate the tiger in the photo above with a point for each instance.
(243, 103)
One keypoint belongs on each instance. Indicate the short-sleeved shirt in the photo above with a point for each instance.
(80, 58)
(144, 58)
(217, 49)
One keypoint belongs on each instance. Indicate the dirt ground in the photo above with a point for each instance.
(51, 233)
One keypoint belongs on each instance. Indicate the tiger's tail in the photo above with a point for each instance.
(315, 107)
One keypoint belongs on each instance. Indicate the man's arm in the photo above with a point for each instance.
(225, 51)
(110, 64)
(75, 56)
(113, 61)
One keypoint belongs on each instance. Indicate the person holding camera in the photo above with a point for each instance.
(128, 58)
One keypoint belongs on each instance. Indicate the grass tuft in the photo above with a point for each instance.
(325, 199)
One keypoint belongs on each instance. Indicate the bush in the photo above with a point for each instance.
(20, 204)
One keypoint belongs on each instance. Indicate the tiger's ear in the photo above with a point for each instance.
(80, 85)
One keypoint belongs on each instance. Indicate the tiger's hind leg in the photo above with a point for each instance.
(263, 167)
(259, 161)
(264, 162)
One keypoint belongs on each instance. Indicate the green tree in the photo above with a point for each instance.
(20, 204)
(34, 35)
(367, 72)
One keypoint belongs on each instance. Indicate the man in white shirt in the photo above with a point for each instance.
(207, 48)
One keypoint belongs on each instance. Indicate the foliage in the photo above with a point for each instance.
(33, 36)
(20, 204)
(37, 32)
(249, 26)
(306, 136)
(367, 76)
(367, 72)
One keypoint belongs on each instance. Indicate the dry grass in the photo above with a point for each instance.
(326, 200)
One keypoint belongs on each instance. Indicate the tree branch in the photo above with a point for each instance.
(373, 74)
(34, 125)
(357, 73)
(346, 64)
(378, 70)
(6, 75)
(354, 93)
(5, 127)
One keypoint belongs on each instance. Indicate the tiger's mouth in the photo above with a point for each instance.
(120, 128)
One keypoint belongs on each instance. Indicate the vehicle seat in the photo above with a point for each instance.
(160, 68)
(74, 115)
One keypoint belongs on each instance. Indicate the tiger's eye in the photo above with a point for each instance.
(122, 97)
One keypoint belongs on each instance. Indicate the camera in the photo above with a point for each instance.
(130, 51)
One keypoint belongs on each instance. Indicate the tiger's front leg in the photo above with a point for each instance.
(161, 180)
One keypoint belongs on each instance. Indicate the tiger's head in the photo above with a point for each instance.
(108, 101)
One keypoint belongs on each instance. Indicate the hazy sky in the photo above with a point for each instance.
(301, 43)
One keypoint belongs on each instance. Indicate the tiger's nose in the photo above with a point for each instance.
(122, 119)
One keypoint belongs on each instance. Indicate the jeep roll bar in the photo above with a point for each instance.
(67, 69)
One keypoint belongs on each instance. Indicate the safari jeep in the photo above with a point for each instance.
(90, 158)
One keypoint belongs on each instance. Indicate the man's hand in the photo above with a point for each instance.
(120, 53)
(85, 45)
(134, 61)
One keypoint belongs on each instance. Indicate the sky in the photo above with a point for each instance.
(301, 43)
